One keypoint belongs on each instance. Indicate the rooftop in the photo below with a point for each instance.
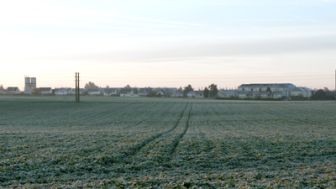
(284, 85)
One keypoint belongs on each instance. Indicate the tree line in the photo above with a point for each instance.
(208, 92)
(323, 94)
(211, 91)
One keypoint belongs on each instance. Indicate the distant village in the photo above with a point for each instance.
(275, 91)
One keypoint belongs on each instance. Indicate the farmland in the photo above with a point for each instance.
(140, 143)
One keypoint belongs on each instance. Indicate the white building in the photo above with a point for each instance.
(177, 94)
(63, 91)
(266, 91)
(227, 93)
(195, 94)
(301, 92)
(129, 94)
(272, 90)
(13, 91)
(110, 92)
(2, 90)
(94, 92)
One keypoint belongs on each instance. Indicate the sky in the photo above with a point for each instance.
(168, 43)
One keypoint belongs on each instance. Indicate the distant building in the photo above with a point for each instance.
(195, 94)
(43, 91)
(110, 91)
(163, 91)
(301, 92)
(2, 90)
(227, 93)
(30, 85)
(63, 91)
(143, 92)
(94, 92)
(272, 90)
(129, 94)
(160, 93)
(177, 94)
(13, 91)
(266, 91)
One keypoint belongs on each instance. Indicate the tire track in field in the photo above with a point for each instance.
(201, 148)
(207, 150)
(147, 117)
(135, 149)
(169, 154)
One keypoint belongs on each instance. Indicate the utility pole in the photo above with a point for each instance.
(77, 88)
(76, 100)
(335, 84)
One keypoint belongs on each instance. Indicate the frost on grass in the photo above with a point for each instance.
(148, 143)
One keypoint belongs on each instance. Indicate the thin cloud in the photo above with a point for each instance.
(217, 49)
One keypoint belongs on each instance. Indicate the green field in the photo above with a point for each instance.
(168, 143)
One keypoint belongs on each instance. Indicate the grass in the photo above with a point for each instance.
(169, 143)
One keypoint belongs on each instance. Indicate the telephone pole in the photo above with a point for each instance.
(335, 84)
(77, 88)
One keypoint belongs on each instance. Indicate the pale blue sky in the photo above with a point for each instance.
(168, 43)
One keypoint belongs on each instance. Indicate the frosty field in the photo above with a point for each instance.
(144, 143)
